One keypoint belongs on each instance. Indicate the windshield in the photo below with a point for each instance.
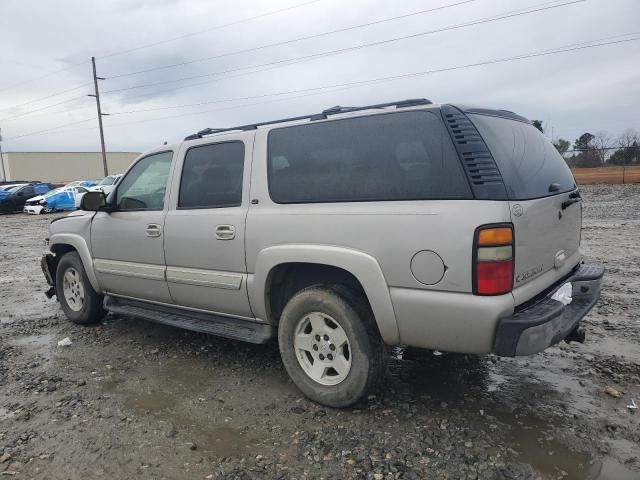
(108, 180)
(14, 188)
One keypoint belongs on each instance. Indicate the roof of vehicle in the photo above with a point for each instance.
(354, 111)
(10, 185)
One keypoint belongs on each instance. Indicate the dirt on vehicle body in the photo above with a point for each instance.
(130, 398)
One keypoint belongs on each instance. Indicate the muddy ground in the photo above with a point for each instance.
(132, 399)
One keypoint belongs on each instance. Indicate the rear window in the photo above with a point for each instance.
(528, 162)
(397, 156)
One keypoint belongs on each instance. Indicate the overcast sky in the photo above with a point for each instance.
(591, 90)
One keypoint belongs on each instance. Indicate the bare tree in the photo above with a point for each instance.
(627, 138)
(602, 142)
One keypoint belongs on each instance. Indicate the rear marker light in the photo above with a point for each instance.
(493, 260)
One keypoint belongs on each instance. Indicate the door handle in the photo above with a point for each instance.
(153, 230)
(225, 232)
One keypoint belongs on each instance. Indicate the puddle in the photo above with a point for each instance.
(532, 439)
(498, 389)
(35, 344)
(170, 392)
(222, 441)
(617, 347)
(610, 469)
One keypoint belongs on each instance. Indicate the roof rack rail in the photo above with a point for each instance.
(412, 102)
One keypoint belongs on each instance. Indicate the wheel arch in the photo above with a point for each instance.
(63, 243)
(354, 264)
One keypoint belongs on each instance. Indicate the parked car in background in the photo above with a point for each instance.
(10, 185)
(60, 199)
(82, 183)
(12, 199)
(106, 184)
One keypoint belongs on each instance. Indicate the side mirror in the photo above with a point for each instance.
(93, 201)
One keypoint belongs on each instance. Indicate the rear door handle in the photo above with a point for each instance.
(225, 232)
(153, 230)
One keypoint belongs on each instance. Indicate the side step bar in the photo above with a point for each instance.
(228, 327)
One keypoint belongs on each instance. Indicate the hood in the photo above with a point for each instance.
(37, 198)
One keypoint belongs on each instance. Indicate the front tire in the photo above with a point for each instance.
(330, 345)
(79, 301)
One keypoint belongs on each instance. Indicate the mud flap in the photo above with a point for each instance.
(49, 263)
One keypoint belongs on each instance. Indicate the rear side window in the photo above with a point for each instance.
(397, 156)
(528, 162)
(212, 176)
(41, 188)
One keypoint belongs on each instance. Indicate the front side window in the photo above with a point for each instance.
(144, 186)
(396, 156)
(26, 191)
(212, 176)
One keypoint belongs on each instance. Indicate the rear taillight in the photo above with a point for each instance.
(493, 254)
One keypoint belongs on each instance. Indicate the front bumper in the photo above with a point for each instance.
(33, 209)
(544, 321)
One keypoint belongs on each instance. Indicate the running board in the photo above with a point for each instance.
(227, 327)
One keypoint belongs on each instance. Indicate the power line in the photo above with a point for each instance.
(78, 87)
(272, 12)
(23, 114)
(556, 50)
(516, 13)
(217, 27)
(540, 53)
(294, 40)
(46, 75)
(49, 129)
(358, 83)
(294, 62)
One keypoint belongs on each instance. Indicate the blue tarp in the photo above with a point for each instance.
(61, 200)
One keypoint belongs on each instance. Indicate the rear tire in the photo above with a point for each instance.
(330, 345)
(79, 301)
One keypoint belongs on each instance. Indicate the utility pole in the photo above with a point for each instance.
(4, 174)
(100, 114)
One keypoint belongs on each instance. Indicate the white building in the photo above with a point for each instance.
(62, 166)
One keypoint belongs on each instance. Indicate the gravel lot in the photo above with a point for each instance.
(131, 399)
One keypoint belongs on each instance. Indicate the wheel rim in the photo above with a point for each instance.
(73, 289)
(322, 348)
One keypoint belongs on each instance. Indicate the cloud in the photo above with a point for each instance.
(595, 89)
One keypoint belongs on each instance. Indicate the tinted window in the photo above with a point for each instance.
(528, 162)
(41, 188)
(25, 191)
(212, 176)
(398, 156)
(145, 184)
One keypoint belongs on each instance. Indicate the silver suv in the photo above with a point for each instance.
(407, 223)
